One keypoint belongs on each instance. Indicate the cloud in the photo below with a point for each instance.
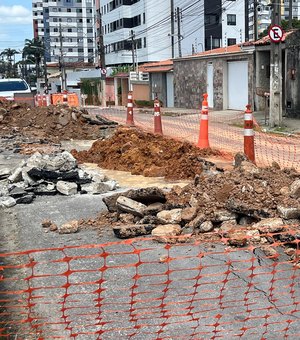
(15, 15)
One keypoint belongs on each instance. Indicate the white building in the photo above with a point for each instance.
(295, 9)
(233, 23)
(67, 28)
(170, 28)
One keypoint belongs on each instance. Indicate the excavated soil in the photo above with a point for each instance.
(146, 154)
(53, 123)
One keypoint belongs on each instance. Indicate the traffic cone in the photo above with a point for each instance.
(203, 134)
(65, 97)
(157, 117)
(129, 120)
(249, 134)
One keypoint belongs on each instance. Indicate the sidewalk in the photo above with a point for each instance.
(290, 125)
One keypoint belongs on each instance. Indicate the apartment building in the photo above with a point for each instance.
(295, 9)
(148, 30)
(67, 28)
(259, 13)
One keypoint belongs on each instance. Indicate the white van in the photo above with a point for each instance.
(10, 86)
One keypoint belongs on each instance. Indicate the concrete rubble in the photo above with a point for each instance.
(239, 207)
(44, 175)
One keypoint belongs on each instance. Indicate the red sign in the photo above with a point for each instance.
(276, 33)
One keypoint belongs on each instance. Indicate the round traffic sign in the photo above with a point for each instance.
(276, 33)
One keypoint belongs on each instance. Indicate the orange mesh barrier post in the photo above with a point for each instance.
(249, 134)
(203, 134)
(157, 118)
(129, 120)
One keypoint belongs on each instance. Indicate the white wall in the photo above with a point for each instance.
(238, 31)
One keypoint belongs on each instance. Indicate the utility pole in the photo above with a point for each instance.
(45, 73)
(172, 28)
(275, 115)
(179, 32)
(132, 36)
(255, 7)
(61, 62)
(290, 14)
(102, 63)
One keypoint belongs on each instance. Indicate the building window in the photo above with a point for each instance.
(231, 19)
(231, 41)
(70, 49)
(211, 19)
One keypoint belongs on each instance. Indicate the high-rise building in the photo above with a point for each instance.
(67, 28)
(259, 17)
(295, 9)
(150, 30)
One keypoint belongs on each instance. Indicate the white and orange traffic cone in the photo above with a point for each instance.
(249, 134)
(157, 117)
(129, 119)
(203, 133)
(65, 97)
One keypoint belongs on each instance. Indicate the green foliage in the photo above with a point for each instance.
(90, 87)
(145, 103)
(122, 69)
(33, 53)
(284, 24)
(8, 64)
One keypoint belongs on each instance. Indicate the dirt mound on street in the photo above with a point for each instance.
(53, 122)
(147, 154)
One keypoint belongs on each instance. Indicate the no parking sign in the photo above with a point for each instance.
(276, 33)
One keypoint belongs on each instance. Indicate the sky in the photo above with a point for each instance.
(15, 23)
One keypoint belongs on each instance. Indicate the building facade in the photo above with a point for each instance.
(295, 9)
(67, 28)
(138, 31)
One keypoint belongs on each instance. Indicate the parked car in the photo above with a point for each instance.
(10, 86)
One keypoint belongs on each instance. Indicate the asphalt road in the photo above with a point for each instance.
(91, 286)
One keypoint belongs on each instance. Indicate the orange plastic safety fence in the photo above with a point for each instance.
(140, 289)
(226, 133)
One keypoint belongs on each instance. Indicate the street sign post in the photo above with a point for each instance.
(276, 33)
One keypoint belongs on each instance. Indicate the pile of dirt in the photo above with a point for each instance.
(53, 122)
(147, 154)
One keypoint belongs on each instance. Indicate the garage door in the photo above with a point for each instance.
(237, 85)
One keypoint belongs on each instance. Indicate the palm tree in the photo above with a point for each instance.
(35, 49)
(10, 55)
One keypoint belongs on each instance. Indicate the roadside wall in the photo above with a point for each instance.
(292, 80)
(190, 79)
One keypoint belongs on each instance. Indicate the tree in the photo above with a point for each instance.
(34, 49)
(10, 56)
(284, 24)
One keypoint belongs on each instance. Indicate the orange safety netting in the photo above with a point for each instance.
(140, 289)
(226, 133)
